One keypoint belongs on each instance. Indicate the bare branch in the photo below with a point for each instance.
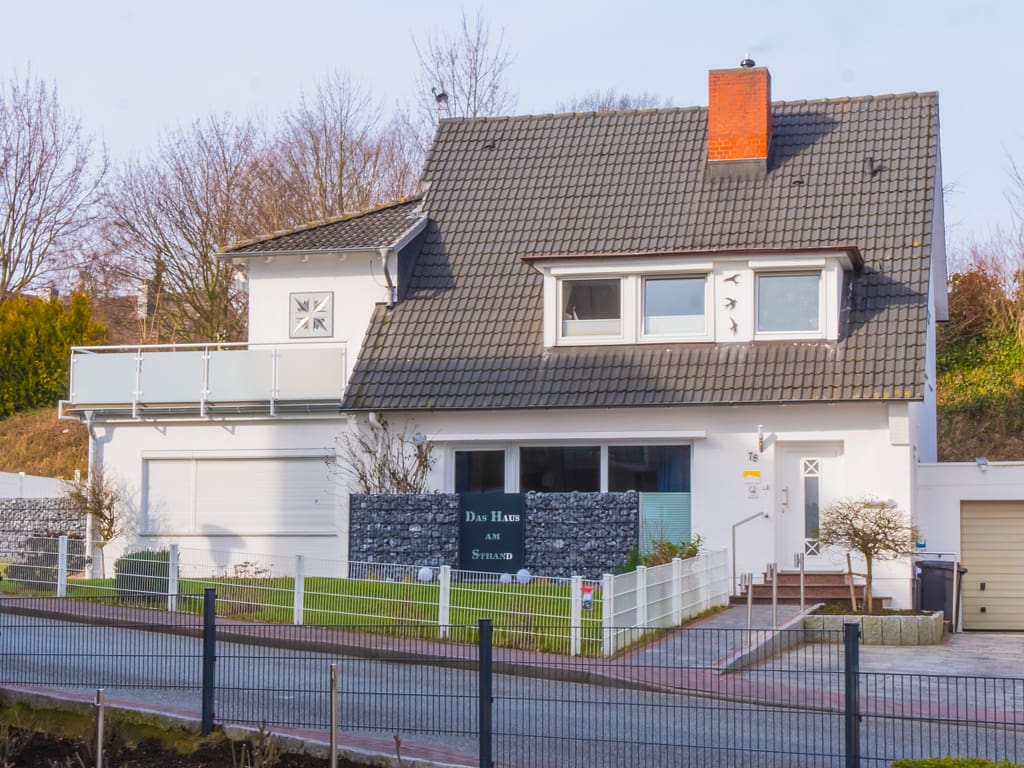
(611, 100)
(469, 69)
(49, 183)
(172, 213)
(381, 459)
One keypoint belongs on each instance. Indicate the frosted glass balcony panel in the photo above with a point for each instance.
(103, 379)
(171, 377)
(241, 375)
(310, 374)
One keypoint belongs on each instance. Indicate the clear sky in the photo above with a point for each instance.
(131, 69)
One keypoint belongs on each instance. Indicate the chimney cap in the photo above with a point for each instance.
(748, 62)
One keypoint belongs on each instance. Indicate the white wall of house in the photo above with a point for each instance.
(865, 448)
(356, 280)
(942, 486)
(225, 490)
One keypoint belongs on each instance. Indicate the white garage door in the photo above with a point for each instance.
(213, 496)
(992, 549)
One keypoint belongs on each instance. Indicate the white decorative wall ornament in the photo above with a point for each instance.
(311, 315)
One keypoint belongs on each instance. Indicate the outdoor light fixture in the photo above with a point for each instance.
(760, 438)
(418, 439)
(426, 573)
(523, 576)
(982, 463)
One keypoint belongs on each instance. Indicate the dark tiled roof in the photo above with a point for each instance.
(469, 333)
(376, 228)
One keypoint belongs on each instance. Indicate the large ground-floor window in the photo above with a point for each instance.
(567, 468)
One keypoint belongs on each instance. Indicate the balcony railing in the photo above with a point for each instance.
(208, 378)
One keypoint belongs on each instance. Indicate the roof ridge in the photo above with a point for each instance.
(277, 234)
(691, 108)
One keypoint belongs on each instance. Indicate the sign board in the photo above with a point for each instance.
(492, 532)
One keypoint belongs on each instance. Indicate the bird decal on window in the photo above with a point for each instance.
(730, 303)
(734, 279)
(732, 325)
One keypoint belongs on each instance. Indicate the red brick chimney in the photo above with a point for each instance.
(739, 119)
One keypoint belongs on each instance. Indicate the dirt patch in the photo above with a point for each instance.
(28, 749)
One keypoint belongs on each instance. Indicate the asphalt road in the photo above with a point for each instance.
(537, 722)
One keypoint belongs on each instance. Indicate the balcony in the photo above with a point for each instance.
(207, 379)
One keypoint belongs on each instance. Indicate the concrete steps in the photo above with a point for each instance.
(819, 587)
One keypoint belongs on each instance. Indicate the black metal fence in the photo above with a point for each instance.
(701, 697)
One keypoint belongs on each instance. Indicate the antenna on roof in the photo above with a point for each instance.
(748, 62)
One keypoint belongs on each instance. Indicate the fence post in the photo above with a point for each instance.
(608, 614)
(486, 692)
(209, 658)
(641, 596)
(706, 602)
(62, 566)
(172, 577)
(334, 715)
(444, 599)
(299, 595)
(851, 669)
(677, 591)
(575, 614)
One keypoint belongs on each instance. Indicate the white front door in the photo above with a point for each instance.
(807, 479)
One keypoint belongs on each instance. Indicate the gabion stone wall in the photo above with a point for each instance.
(582, 534)
(21, 519)
(411, 529)
(567, 534)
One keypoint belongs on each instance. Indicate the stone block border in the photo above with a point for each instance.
(880, 630)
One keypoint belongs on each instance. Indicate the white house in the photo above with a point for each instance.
(730, 309)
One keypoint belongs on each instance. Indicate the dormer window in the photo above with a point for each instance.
(789, 303)
(720, 297)
(674, 306)
(592, 308)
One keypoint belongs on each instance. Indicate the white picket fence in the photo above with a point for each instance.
(567, 615)
(662, 596)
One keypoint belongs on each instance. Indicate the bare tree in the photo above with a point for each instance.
(50, 178)
(335, 152)
(382, 459)
(461, 75)
(875, 528)
(100, 499)
(610, 101)
(202, 190)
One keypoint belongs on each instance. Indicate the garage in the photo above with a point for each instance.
(239, 495)
(992, 549)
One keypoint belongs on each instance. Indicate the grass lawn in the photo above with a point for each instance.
(531, 616)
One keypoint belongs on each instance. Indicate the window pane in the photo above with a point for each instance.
(591, 307)
(673, 305)
(479, 471)
(558, 470)
(660, 468)
(811, 502)
(787, 302)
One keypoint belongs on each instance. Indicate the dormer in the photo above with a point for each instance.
(720, 297)
(321, 282)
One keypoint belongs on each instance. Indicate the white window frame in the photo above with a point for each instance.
(606, 338)
(817, 333)
(730, 298)
(655, 338)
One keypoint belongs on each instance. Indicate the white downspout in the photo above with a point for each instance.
(392, 290)
(89, 523)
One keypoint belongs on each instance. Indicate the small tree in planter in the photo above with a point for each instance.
(875, 528)
(100, 499)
